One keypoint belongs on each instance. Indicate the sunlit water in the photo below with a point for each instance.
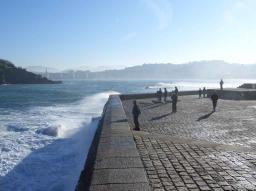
(46, 130)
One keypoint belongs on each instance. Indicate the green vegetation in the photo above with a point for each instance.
(9, 74)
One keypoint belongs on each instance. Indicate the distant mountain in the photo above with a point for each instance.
(98, 68)
(12, 75)
(214, 69)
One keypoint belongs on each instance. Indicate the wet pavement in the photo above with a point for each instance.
(195, 149)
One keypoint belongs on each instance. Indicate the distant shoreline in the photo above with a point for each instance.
(52, 82)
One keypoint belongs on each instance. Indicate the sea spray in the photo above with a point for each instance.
(40, 159)
(196, 84)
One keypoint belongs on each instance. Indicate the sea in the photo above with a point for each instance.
(46, 130)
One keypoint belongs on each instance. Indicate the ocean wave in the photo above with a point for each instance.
(193, 85)
(56, 139)
(16, 128)
(50, 131)
(160, 85)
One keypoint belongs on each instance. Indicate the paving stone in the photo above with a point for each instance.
(194, 150)
(115, 176)
(110, 163)
(123, 187)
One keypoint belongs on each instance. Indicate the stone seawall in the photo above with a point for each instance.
(192, 149)
(113, 162)
(153, 95)
(234, 93)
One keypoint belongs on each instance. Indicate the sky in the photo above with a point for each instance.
(68, 34)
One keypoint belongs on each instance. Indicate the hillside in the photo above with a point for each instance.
(10, 74)
(214, 69)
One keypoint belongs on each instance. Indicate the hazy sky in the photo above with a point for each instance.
(74, 33)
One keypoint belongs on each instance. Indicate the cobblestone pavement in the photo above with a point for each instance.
(195, 149)
(234, 123)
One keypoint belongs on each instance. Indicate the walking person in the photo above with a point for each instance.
(204, 92)
(200, 93)
(174, 102)
(136, 112)
(214, 98)
(165, 94)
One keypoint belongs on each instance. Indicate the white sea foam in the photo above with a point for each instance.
(45, 148)
(196, 84)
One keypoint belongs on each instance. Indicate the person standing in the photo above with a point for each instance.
(214, 98)
(200, 93)
(160, 94)
(204, 92)
(136, 112)
(176, 91)
(221, 84)
(174, 102)
(165, 94)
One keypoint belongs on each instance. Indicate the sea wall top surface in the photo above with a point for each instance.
(117, 164)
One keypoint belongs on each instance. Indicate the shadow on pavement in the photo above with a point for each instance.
(120, 121)
(205, 116)
(159, 117)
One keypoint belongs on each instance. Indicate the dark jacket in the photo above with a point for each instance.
(135, 111)
(165, 93)
(174, 98)
(214, 97)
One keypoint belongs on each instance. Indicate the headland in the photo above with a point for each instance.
(10, 74)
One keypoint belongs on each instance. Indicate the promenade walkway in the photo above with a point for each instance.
(195, 149)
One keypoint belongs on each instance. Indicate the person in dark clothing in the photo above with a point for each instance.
(204, 92)
(165, 94)
(174, 102)
(214, 98)
(136, 113)
(221, 84)
(160, 95)
(176, 91)
(200, 93)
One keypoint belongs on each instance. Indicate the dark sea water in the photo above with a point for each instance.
(46, 130)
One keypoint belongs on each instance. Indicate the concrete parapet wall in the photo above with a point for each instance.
(152, 95)
(234, 93)
(114, 163)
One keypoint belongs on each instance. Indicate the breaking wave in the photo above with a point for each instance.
(46, 147)
(16, 128)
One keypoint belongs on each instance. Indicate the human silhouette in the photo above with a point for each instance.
(214, 98)
(204, 92)
(160, 95)
(221, 84)
(157, 94)
(176, 91)
(165, 94)
(200, 93)
(174, 102)
(136, 112)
